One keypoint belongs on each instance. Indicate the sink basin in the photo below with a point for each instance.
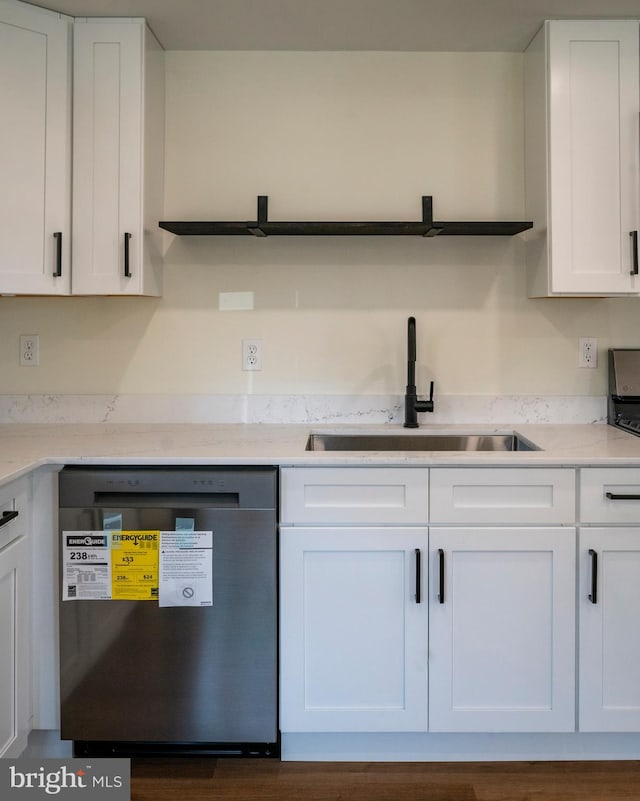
(419, 442)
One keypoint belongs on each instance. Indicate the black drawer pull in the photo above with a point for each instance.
(127, 270)
(58, 271)
(593, 595)
(418, 575)
(614, 496)
(441, 570)
(7, 517)
(634, 255)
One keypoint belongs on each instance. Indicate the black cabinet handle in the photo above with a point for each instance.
(614, 496)
(127, 271)
(593, 595)
(58, 271)
(441, 570)
(7, 517)
(418, 575)
(634, 253)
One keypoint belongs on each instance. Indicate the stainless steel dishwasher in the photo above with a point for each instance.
(140, 678)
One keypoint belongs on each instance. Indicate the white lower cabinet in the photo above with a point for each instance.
(502, 629)
(609, 599)
(14, 619)
(609, 610)
(354, 620)
(458, 618)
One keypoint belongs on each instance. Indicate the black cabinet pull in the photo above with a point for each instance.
(418, 575)
(614, 496)
(634, 254)
(58, 237)
(7, 517)
(593, 595)
(127, 271)
(441, 570)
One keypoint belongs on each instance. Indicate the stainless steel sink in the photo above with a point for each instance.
(419, 442)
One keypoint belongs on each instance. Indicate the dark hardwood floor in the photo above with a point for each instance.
(270, 780)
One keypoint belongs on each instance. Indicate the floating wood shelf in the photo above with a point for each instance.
(262, 226)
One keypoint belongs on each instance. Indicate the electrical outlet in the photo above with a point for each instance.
(588, 352)
(251, 354)
(29, 350)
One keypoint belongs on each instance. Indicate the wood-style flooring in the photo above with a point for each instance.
(188, 779)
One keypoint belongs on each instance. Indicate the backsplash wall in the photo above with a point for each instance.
(330, 136)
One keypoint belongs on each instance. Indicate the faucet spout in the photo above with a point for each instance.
(412, 404)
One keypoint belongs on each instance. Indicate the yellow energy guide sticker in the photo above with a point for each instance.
(134, 565)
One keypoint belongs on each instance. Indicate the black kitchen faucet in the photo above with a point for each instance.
(412, 405)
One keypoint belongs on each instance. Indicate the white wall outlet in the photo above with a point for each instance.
(251, 354)
(29, 350)
(588, 352)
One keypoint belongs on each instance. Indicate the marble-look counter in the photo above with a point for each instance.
(24, 447)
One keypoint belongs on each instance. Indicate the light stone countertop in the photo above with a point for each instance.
(24, 447)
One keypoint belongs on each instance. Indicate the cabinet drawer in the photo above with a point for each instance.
(503, 495)
(610, 495)
(13, 498)
(376, 495)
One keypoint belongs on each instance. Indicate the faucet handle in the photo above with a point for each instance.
(430, 401)
(423, 405)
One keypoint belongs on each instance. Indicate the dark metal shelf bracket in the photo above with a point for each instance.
(257, 228)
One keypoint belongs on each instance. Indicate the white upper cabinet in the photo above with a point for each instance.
(118, 130)
(118, 154)
(35, 150)
(582, 125)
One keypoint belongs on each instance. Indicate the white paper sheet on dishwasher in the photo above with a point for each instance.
(186, 568)
(86, 565)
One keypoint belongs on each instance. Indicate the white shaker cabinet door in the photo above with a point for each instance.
(35, 150)
(609, 610)
(502, 629)
(15, 678)
(353, 631)
(118, 125)
(582, 93)
(14, 669)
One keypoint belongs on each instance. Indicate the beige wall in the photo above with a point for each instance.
(330, 136)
